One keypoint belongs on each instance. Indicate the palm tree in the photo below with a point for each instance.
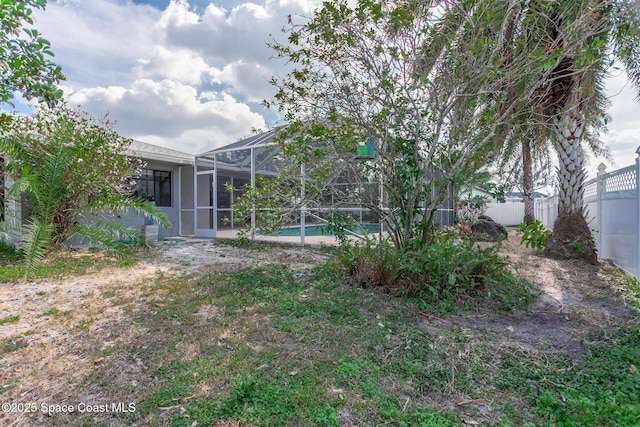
(52, 219)
(66, 190)
(570, 45)
(581, 37)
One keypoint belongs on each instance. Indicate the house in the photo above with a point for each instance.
(166, 179)
(191, 189)
(518, 196)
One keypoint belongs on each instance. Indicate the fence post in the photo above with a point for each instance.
(637, 220)
(599, 190)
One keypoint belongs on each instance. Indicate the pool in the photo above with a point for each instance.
(321, 230)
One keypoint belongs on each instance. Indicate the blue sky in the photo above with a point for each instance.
(190, 75)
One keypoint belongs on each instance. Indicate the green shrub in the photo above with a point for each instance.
(443, 274)
(455, 271)
(533, 235)
(369, 263)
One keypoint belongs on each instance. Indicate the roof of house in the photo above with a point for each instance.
(255, 141)
(156, 152)
(519, 195)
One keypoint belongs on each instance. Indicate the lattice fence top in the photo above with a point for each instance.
(622, 179)
(591, 188)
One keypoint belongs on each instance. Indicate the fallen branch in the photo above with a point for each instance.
(431, 316)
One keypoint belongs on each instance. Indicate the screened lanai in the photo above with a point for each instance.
(242, 162)
(236, 164)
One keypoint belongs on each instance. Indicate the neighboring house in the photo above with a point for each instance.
(517, 196)
(477, 191)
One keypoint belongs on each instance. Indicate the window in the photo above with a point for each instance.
(155, 186)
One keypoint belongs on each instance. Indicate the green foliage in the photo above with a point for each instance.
(442, 274)
(9, 319)
(269, 199)
(8, 252)
(8, 345)
(60, 264)
(391, 75)
(24, 63)
(533, 235)
(73, 171)
(370, 263)
(51, 312)
(602, 388)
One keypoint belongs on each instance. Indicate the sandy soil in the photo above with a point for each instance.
(52, 357)
(575, 300)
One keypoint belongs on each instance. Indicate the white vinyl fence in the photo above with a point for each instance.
(612, 207)
(508, 213)
(512, 212)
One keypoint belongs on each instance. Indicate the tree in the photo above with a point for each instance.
(24, 65)
(73, 171)
(421, 84)
(578, 40)
(587, 35)
(571, 45)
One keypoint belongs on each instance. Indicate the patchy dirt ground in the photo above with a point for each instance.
(61, 319)
(575, 300)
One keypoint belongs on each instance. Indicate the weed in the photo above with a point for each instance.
(601, 389)
(9, 319)
(631, 292)
(82, 325)
(8, 253)
(443, 275)
(534, 235)
(41, 293)
(57, 264)
(8, 345)
(51, 312)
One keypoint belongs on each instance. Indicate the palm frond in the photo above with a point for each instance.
(110, 237)
(137, 206)
(36, 236)
(51, 187)
(627, 40)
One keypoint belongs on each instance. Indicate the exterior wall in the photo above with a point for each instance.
(186, 181)
(172, 212)
(14, 216)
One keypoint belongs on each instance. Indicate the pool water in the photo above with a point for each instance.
(321, 230)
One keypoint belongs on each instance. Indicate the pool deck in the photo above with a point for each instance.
(292, 240)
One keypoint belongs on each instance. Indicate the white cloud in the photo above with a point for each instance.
(179, 65)
(178, 78)
(189, 79)
(171, 114)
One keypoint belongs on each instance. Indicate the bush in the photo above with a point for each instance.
(369, 263)
(444, 273)
(70, 169)
(533, 235)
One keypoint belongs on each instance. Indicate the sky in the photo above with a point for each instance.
(191, 75)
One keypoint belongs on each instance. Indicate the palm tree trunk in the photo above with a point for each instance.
(527, 182)
(571, 237)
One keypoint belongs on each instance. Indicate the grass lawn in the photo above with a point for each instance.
(278, 346)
